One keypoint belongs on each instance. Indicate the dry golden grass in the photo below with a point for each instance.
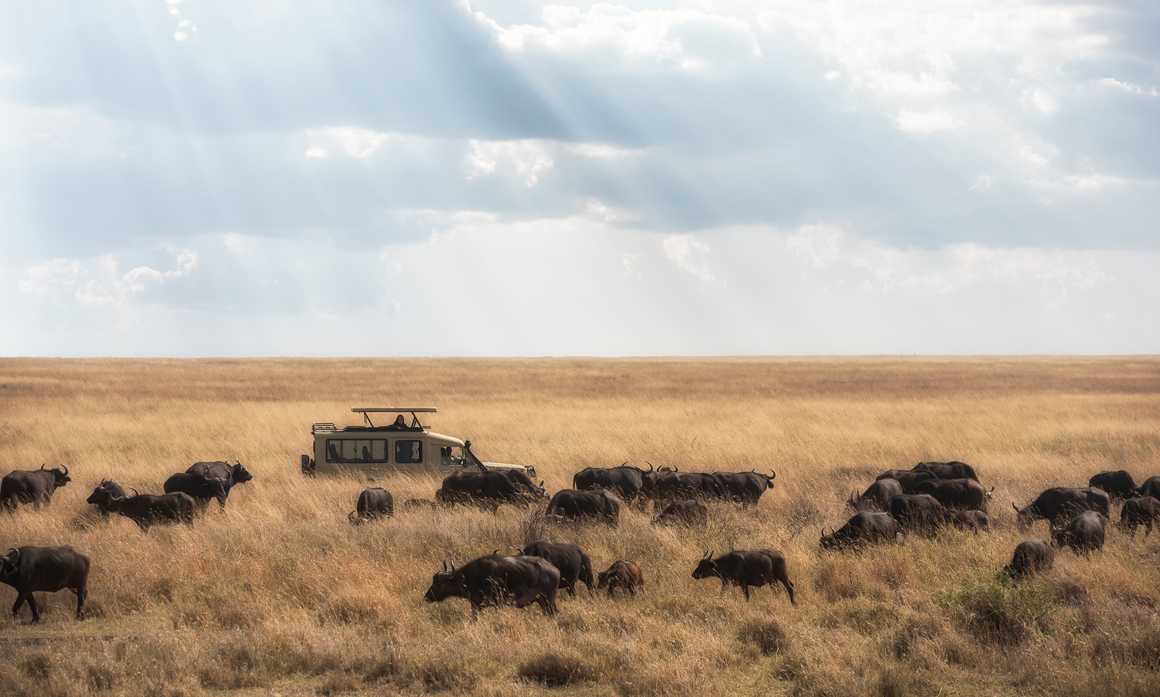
(280, 595)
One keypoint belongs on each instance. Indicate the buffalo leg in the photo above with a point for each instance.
(32, 605)
(16, 606)
(81, 595)
(788, 589)
(745, 590)
(631, 589)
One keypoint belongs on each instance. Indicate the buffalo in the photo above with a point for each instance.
(877, 496)
(1030, 558)
(201, 489)
(960, 494)
(229, 475)
(147, 510)
(1118, 483)
(1083, 533)
(745, 488)
(488, 489)
(1142, 510)
(1060, 503)
(865, 527)
(31, 486)
(571, 504)
(907, 479)
(627, 481)
(970, 520)
(747, 568)
(569, 559)
(622, 574)
(495, 580)
(918, 512)
(105, 490)
(664, 485)
(1151, 487)
(45, 569)
(373, 502)
(688, 512)
(947, 470)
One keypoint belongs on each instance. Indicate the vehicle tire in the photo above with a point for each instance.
(307, 465)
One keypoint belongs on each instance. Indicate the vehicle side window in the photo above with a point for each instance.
(408, 452)
(356, 451)
(445, 456)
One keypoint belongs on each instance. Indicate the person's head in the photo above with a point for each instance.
(400, 421)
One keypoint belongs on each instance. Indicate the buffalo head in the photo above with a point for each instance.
(8, 564)
(240, 473)
(445, 584)
(706, 567)
(1024, 517)
(59, 475)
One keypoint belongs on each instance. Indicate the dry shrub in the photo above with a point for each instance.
(100, 678)
(1071, 593)
(1130, 646)
(556, 670)
(835, 580)
(766, 635)
(864, 616)
(445, 676)
(337, 684)
(1001, 613)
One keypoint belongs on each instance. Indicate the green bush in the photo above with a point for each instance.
(1000, 612)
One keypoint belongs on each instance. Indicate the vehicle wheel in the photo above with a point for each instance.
(307, 465)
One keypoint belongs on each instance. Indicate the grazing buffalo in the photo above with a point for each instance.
(1151, 487)
(1061, 503)
(756, 568)
(374, 502)
(918, 512)
(622, 574)
(959, 494)
(1118, 483)
(105, 490)
(147, 510)
(1142, 510)
(495, 580)
(907, 479)
(1083, 533)
(31, 486)
(865, 527)
(947, 470)
(571, 561)
(571, 504)
(877, 496)
(1030, 558)
(197, 487)
(970, 520)
(745, 488)
(688, 512)
(664, 485)
(627, 481)
(44, 569)
(488, 489)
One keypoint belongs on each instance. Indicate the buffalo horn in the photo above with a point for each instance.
(1014, 506)
(42, 465)
(134, 491)
(65, 469)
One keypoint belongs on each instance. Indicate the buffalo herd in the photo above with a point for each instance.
(924, 500)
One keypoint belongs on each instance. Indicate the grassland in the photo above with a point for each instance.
(279, 595)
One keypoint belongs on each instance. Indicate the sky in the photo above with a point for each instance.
(509, 178)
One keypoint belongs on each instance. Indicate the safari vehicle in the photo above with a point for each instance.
(398, 446)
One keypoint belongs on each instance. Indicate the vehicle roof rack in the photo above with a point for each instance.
(394, 410)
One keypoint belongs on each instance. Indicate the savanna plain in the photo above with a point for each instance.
(278, 594)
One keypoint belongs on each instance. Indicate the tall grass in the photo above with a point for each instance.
(279, 594)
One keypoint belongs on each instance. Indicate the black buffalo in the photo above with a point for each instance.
(147, 510)
(947, 470)
(970, 520)
(45, 569)
(105, 490)
(229, 475)
(569, 559)
(918, 512)
(877, 496)
(1084, 533)
(31, 486)
(1151, 487)
(865, 527)
(1030, 558)
(1061, 503)
(688, 512)
(488, 489)
(745, 488)
(664, 485)
(627, 481)
(1118, 483)
(571, 504)
(495, 580)
(745, 568)
(1142, 510)
(622, 574)
(373, 502)
(960, 494)
(201, 489)
(907, 479)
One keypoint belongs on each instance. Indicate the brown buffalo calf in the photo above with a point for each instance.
(623, 574)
